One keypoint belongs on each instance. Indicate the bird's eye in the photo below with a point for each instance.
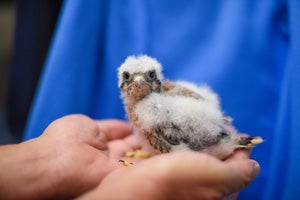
(126, 76)
(151, 74)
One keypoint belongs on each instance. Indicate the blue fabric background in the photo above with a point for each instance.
(246, 50)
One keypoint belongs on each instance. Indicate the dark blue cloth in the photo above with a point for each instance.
(35, 21)
(246, 50)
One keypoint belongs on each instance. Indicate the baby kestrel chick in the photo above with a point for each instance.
(175, 116)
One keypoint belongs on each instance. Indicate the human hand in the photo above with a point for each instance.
(83, 154)
(185, 175)
(71, 156)
(75, 153)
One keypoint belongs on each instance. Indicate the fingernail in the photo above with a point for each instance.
(255, 169)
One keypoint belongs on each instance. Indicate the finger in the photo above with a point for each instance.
(240, 173)
(197, 166)
(239, 154)
(76, 128)
(196, 174)
(134, 141)
(119, 147)
(114, 129)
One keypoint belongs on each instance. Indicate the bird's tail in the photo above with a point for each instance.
(246, 142)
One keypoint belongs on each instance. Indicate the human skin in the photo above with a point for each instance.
(185, 175)
(76, 154)
(69, 158)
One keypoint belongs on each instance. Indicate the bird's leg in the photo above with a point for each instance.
(134, 154)
(246, 142)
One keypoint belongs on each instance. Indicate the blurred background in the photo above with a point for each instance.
(7, 22)
(26, 28)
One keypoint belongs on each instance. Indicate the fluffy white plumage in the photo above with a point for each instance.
(201, 121)
(203, 90)
(174, 116)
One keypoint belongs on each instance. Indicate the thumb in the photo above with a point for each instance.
(240, 174)
(114, 129)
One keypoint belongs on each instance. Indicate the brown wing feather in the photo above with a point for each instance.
(173, 89)
(157, 142)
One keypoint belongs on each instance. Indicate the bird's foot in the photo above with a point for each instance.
(125, 163)
(137, 154)
(134, 154)
(245, 142)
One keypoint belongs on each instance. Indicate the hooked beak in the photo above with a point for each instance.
(139, 88)
(139, 81)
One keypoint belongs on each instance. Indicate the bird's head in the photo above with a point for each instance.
(139, 76)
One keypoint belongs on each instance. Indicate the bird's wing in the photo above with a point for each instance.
(174, 135)
(179, 120)
(175, 89)
(187, 89)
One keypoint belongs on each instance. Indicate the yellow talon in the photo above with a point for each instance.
(137, 154)
(248, 142)
(125, 163)
(257, 140)
(129, 154)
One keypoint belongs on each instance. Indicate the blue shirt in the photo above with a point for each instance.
(247, 51)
